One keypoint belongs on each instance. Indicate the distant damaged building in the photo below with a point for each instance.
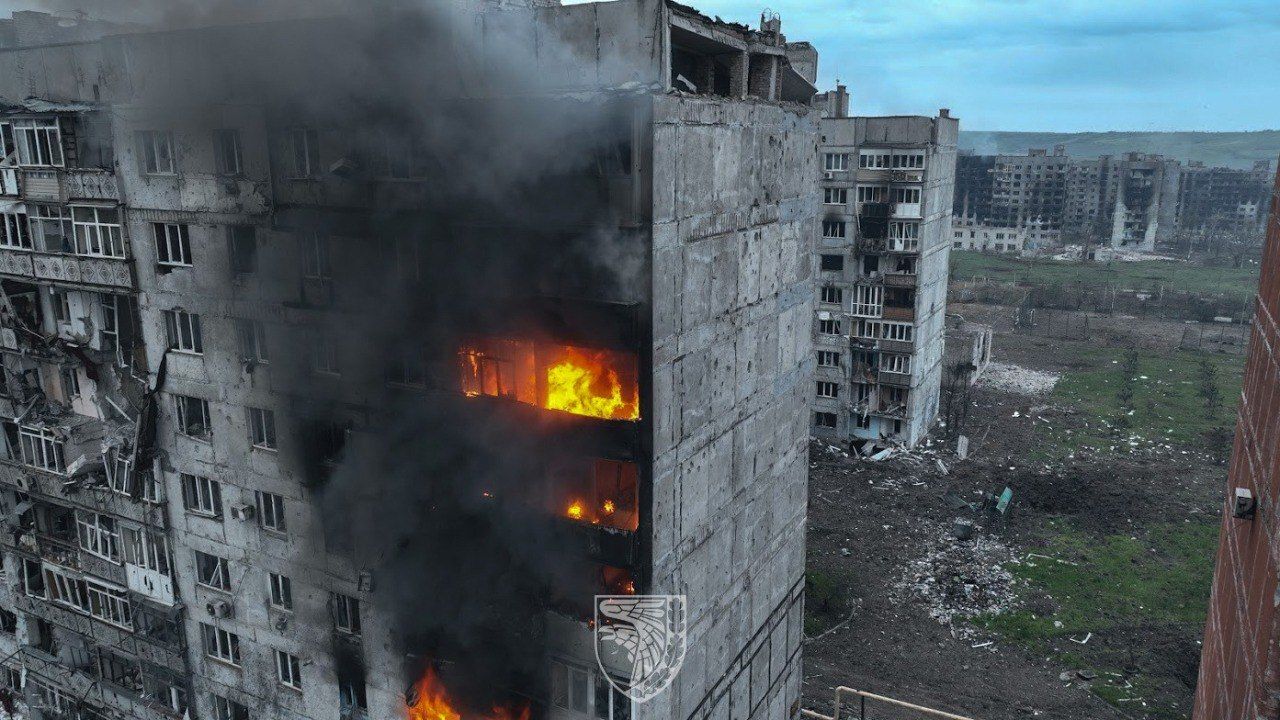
(883, 252)
(342, 373)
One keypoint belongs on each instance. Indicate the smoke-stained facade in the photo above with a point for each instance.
(347, 359)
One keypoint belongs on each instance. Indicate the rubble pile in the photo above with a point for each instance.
(1016, 379)
(958, 580)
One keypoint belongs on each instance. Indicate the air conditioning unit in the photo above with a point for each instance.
(242, 512)
(220, 609)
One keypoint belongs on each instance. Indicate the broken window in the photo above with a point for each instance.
(828, 389)
(598, 491)
(119, 670)
(182, 331)
(351, 694)
(155, 152)
(281, 591)
(226, 151)
(109, 336)
(262, 428)
(220, 644)
(587, 693)
(901, 332)
(146, 549)
(192, 415)
(32, 578)
(41, 448)
(97, 231)
(872, 193)
(895, 363)
(907, 195)
(60, 300)
(224, 709)
(833, 228)
(50, 228)
(212, 571)
(868, 300)
(99, 534)
(8, 621)
(828, 358)
(70, 380)
(835, 196)
(825, 419)
(166, 687)
(905, 235)
(829, 327)
(242, 243)
(832, 263)
(346, 613)
(252, 337)
(13, 231)
(201, 495)
(305, 146)
(39, 142)
(832, 295)
(271, 512)
(900, 297)
(173, 244)
(288, 670)
(873, 159)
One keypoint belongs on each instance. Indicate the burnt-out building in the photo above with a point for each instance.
(343, 372)
(1240, 659)
(883, 250)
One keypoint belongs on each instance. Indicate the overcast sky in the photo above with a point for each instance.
(1045, 65)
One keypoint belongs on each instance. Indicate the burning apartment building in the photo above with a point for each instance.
(347, 359)
(883, 262)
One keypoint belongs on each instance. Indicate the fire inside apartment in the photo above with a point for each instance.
(300, 423)
(883, 255)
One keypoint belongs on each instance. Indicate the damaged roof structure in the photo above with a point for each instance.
(347, 360)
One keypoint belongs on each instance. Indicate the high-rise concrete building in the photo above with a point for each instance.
(1240, 659)
(341, 373)
(883, 253)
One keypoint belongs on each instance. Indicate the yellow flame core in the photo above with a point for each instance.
(591, 389)
(575, 511)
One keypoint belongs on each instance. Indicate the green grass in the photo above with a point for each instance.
(1167, 405)
(1158, 577)
(1238, 283)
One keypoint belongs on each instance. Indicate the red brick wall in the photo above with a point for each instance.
(1240, 661)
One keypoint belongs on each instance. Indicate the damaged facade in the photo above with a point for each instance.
(188, 292)
(883, 254)
(1129, 202)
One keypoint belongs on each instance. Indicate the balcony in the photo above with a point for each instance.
(897, 346)
(903, 314)
(892, 379)
(902, 280)
(909, 211)
(61, 186)
(60, 267)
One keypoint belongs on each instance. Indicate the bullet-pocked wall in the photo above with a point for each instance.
(734, 206)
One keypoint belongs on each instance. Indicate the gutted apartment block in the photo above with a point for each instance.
(883, 251)
(327, 398)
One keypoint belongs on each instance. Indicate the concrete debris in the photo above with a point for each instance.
(1017, 379)
(959, 581)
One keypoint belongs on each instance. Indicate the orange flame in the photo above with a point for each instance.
(608, 507)
(432, 703)
(583, 383)
(575, 510)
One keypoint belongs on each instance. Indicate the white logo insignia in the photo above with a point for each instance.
(650, 629)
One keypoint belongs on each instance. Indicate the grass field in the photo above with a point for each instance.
(1240, 283)
(1167, 404)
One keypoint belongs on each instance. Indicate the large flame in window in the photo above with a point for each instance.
(583, 381)
(430, 701)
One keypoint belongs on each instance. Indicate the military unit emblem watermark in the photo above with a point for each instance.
(650, 629)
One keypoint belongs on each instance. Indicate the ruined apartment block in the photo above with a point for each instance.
(883, 252)
(177, 286)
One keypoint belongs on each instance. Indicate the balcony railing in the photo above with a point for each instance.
(899, 313)
(58, 185)
(61, 267)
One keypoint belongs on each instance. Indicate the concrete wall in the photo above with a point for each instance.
(734, 207)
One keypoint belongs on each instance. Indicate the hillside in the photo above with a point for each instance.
(1230, 149)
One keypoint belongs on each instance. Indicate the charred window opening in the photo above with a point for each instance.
(899, 297)
(598, 492)
(591, 382)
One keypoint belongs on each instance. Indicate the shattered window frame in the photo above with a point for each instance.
(14, 232)
(242, 247)
(262, 428)
(183, 332)
(221, 645)
(212, 571)
(251, 336)
(42, 449)
(39, 142)
(271, 512)
(99, 534)
(41, 217)
(831, 295)
(227, 709)
(147, 549)
(828, 358)
(834, 229)
(173, 244)
(897, 363)
(157, 154)
(97, 231)
(193, 417)
(825, 419)
(827, 389)
(304, 145)
(829, 326)
(201, 495)
(69, 378)
(346, 613)
(280, 591)
(288, 670)
(228, 152)
(835, 196)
